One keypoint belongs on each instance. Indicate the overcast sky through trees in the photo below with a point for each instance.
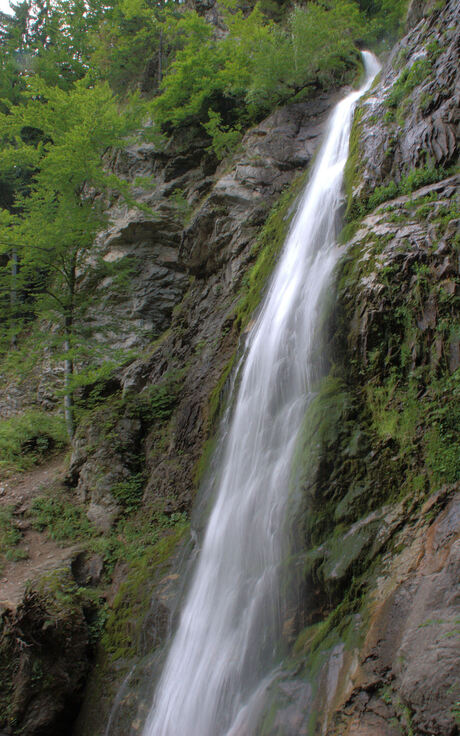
(5, 6)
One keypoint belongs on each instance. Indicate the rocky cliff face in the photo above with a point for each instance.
(193, 274)
(378, 650)
(209, 253)
(371, 629)
(228, 253)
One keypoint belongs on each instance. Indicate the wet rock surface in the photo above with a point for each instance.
(237, 205)
(408, 659)
(411, 119)
(377, 647)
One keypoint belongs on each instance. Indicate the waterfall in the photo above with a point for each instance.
(225, 644)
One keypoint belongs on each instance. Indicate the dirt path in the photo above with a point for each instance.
(17, 492)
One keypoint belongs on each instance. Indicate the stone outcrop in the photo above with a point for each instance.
(154, 281)
(401, 677)
(45, 658)
(411, 120)
(237, 206)
(104, 456)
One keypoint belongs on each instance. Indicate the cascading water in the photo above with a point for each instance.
(225, 644)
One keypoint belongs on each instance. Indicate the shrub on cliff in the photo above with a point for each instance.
(258, 64)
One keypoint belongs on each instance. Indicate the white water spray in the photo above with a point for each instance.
(225, 643)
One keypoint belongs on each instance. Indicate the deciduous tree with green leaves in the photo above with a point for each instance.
(228, 83)
(55, 223)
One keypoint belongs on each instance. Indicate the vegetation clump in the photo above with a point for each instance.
(410, 77)
(126, 615)
(415, 179)
(10, 537)
(28, 438)
(65, 522)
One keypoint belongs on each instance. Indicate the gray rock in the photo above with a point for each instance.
(423, 129)
(427, 659)
(99, 463)
(87, 569)
(238, 203)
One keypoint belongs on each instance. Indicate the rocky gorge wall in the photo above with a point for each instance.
(379, 459)
(371, 632)
(197, 272)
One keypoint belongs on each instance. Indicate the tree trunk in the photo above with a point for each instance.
(68, 362)
(14, 296)
(68, 373)
(160, 59)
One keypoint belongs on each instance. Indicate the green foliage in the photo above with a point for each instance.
(27, 438)
(415, 179)
(47, 40)
(229, 82)
(134, 536)
(134, 42)
(128, 493)
(383, 194)
(410, 77)
(55, 223)
(386, 19)
(421, 177)
(156, 403)
(61, 593)
(224, 138)
(10, 537)
(179, 200)
(64, 521)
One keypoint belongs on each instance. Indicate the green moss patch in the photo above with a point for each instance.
(64, 521)
(126, 615)
(408, 80)
(265, 252)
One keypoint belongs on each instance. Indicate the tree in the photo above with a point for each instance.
(56, 221)
(257, 65)
(134, 41)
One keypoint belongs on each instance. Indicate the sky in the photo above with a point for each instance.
(5, 6)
